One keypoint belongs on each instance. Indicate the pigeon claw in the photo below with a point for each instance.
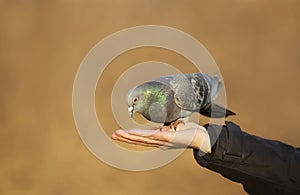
(166, 128)
(173, 126)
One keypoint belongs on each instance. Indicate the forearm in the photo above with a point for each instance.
(257, 163)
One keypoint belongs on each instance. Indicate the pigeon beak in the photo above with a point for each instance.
(130, 109)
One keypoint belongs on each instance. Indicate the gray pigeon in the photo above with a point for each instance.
(169, 98)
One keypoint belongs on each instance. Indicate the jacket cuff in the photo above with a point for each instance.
(221, 139)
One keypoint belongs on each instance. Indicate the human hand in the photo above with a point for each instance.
(190, 135)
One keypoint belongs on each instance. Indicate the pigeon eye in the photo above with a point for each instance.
(135, 99)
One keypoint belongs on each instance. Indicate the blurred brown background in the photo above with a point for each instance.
(256, 45)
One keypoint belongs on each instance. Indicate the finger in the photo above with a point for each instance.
(140, 139)
(136, 143)
(163, 146)
(167, 146)
(144, 133)
(166, 136)
(151, 144)
(154, 134)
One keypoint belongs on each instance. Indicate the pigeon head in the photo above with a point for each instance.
(140, 98)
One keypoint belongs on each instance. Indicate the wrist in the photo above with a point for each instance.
(201, 140)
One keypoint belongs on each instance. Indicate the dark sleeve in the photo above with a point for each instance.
(262, 166)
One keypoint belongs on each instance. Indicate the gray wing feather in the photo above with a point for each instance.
(192, 91)
(181, 85)
(214, 84)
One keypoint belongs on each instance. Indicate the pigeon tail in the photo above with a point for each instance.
(215, 111)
